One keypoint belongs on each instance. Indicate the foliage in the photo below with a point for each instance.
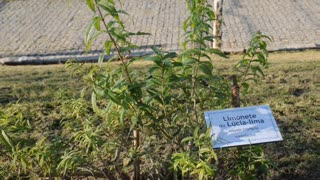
(289, 86)
(250, 68)
(163, 103)
(167, 103)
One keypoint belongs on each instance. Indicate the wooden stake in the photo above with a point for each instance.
(235, 91)
(136, 164)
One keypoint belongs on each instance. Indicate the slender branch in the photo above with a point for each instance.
(122, 58)
(136, 142)
(194, 87)
(195, 75)
(162, 91)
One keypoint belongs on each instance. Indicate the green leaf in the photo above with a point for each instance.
(170, 55)
(123, 12)
(100, 60)
(89, 44)
(188, 61)
(156, 50)
(110, 104)
(217, 52)
(245, 86)
(153, 58)
(155, 96)
(134, 121)
(112, 96)
(187, 139)
(122, 116)
(263, 45)
(135, 90)
(89, 30)
(177, 64)
(167, 99)
(109, 7)
(118, 35)
(110, 24)
(195, 132)
(208, 38)
(262, 59)
(112, 1)
(97, 21)
(6, 139)
(256, 69)
(91, 5)
(152, 69)
(206, 67)
(155, 82)
(205, 150)
(107, 46)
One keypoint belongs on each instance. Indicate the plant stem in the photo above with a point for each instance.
(162, 91)
(194, 87)
(122, 58)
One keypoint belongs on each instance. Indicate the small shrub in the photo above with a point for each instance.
(138, 123)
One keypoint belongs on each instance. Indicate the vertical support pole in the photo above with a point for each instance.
(235, 91)
(217, 7)
(136, 144)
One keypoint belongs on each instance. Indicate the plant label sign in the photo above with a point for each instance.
(242, 126)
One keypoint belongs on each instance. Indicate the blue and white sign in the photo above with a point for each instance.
(242, 126)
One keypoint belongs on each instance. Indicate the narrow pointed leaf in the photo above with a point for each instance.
(217, 52)
(6, 139)
(107, 46)
(91, 5)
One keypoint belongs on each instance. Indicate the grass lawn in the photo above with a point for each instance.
(291, 87)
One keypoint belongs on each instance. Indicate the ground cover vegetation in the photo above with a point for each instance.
(49, 98)
(143, 117)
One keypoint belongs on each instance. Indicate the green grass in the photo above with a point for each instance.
(291, 87)
(34, 83)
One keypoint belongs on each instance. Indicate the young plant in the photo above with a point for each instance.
(248, 162)
(250, 68)
(151, 117)
(166, 104)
